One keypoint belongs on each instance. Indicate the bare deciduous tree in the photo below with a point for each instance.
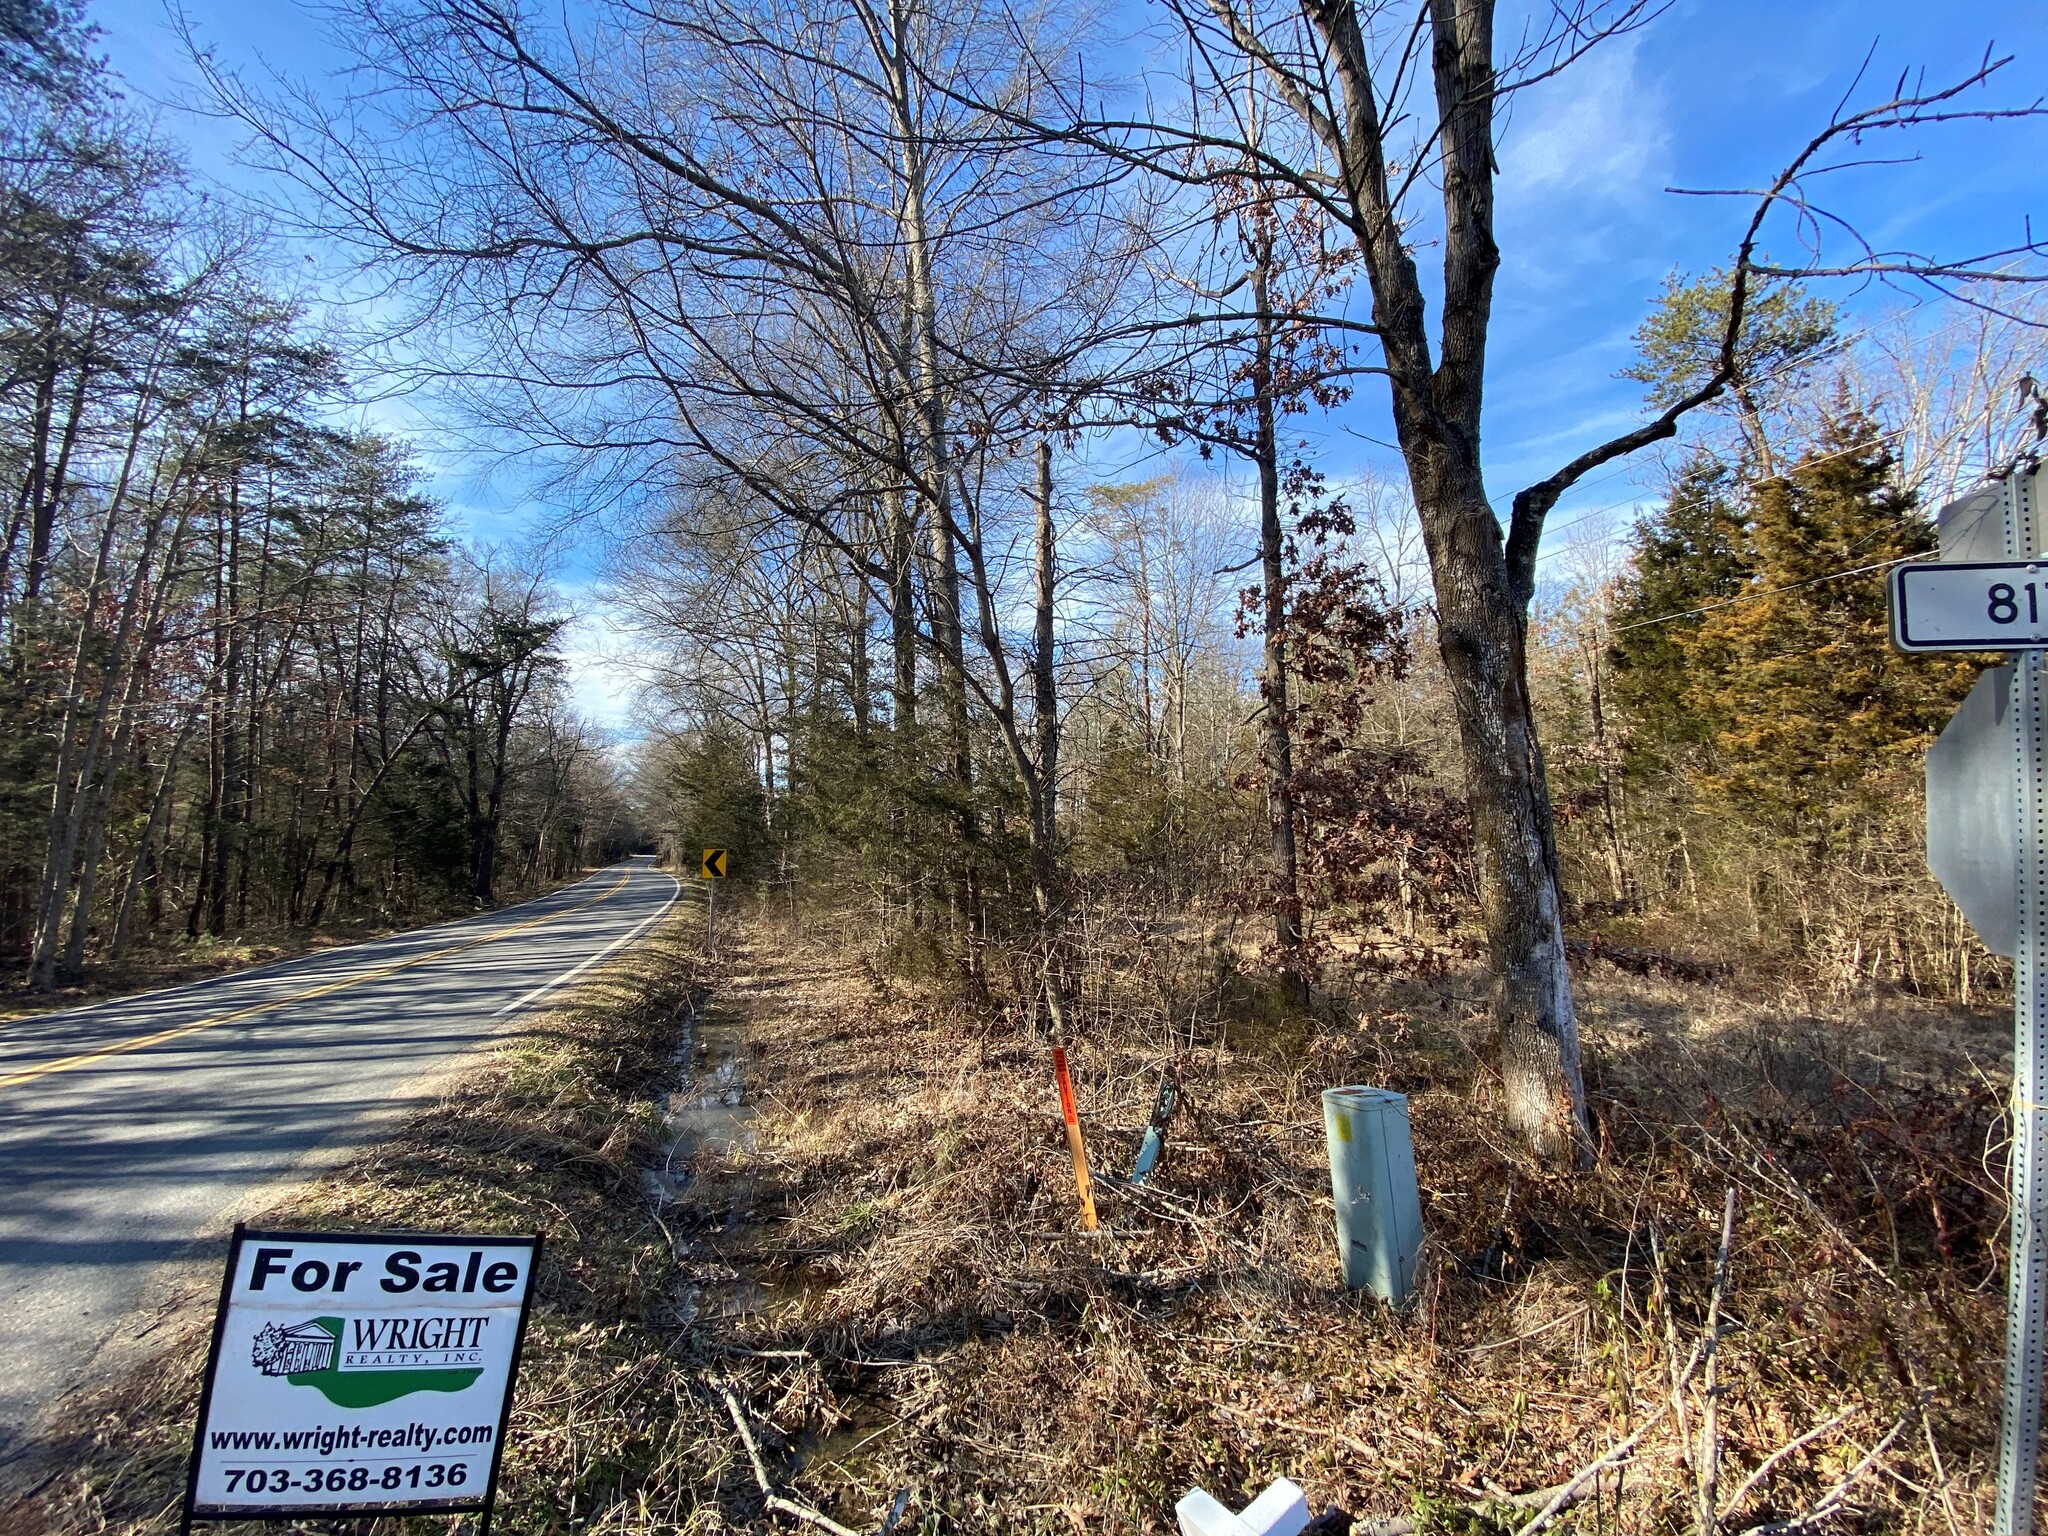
(1393, 116)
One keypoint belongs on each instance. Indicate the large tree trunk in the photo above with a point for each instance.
(28, 504)
(902, 556)
(260, 692)
(860, 679)
(67, 791)
(133, 692)
(903, 752)
(210, 809)
(494, 808)
(39, 494)
(77, 765)
(96, 832)
(1481, 605)
(1480, 636)
(228, 799)
(937, 468)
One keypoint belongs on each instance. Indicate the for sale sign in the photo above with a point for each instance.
(359, 1372)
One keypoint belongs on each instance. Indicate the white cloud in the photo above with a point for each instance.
(607, 665)
(1595, 130)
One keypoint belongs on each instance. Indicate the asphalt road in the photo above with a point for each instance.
(130, 1130)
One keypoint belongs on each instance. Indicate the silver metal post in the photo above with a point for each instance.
(2026, 1328)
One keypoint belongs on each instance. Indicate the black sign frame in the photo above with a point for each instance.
(482, 1504)
(1899, 617)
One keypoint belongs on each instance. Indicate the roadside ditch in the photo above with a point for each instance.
(551, 1131)
(737, 1301)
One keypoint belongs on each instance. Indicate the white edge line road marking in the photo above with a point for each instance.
(331, 952)
(180, 1031)
(571, 974)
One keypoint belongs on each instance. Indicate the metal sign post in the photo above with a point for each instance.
(713, 871)
(2026, 1322)
(1987, 842)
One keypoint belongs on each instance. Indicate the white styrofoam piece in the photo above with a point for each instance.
(1200, 1515)
(1282, 1510)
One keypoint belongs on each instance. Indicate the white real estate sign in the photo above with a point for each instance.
(359, 1373)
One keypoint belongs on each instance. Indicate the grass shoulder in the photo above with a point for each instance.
(550, 1132)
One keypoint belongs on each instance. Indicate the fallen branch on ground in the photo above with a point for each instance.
(1833, 1500)
(1764, 1468)
(1615, 1453)
(771, 1500)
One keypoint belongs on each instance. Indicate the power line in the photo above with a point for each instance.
(1747, 597)
(1586, 517)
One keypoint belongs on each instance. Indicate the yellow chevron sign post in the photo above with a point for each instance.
(713, 870)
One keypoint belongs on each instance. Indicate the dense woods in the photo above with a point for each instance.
(252, 680)
(1735, 749)
(831, 317)
(1041, 477)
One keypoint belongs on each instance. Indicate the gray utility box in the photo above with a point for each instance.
(1372, 1184)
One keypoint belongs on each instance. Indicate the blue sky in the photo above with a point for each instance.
(1720, 94)
(1713, 94)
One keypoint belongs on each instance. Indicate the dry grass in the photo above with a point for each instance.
(888, 1281)
(926, 1316)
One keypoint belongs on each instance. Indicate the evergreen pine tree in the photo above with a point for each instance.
(1689, 556)
(1813, 712)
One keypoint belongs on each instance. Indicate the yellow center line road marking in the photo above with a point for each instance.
(143, 1042)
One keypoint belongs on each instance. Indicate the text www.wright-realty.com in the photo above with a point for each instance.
(351, 1437)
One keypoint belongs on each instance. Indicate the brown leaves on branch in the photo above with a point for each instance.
(1385, 853)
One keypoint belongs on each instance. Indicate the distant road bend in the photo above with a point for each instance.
(130, 1127)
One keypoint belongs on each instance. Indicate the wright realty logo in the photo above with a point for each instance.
(359, 1362)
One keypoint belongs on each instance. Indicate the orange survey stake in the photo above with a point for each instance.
(1074, 1143)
